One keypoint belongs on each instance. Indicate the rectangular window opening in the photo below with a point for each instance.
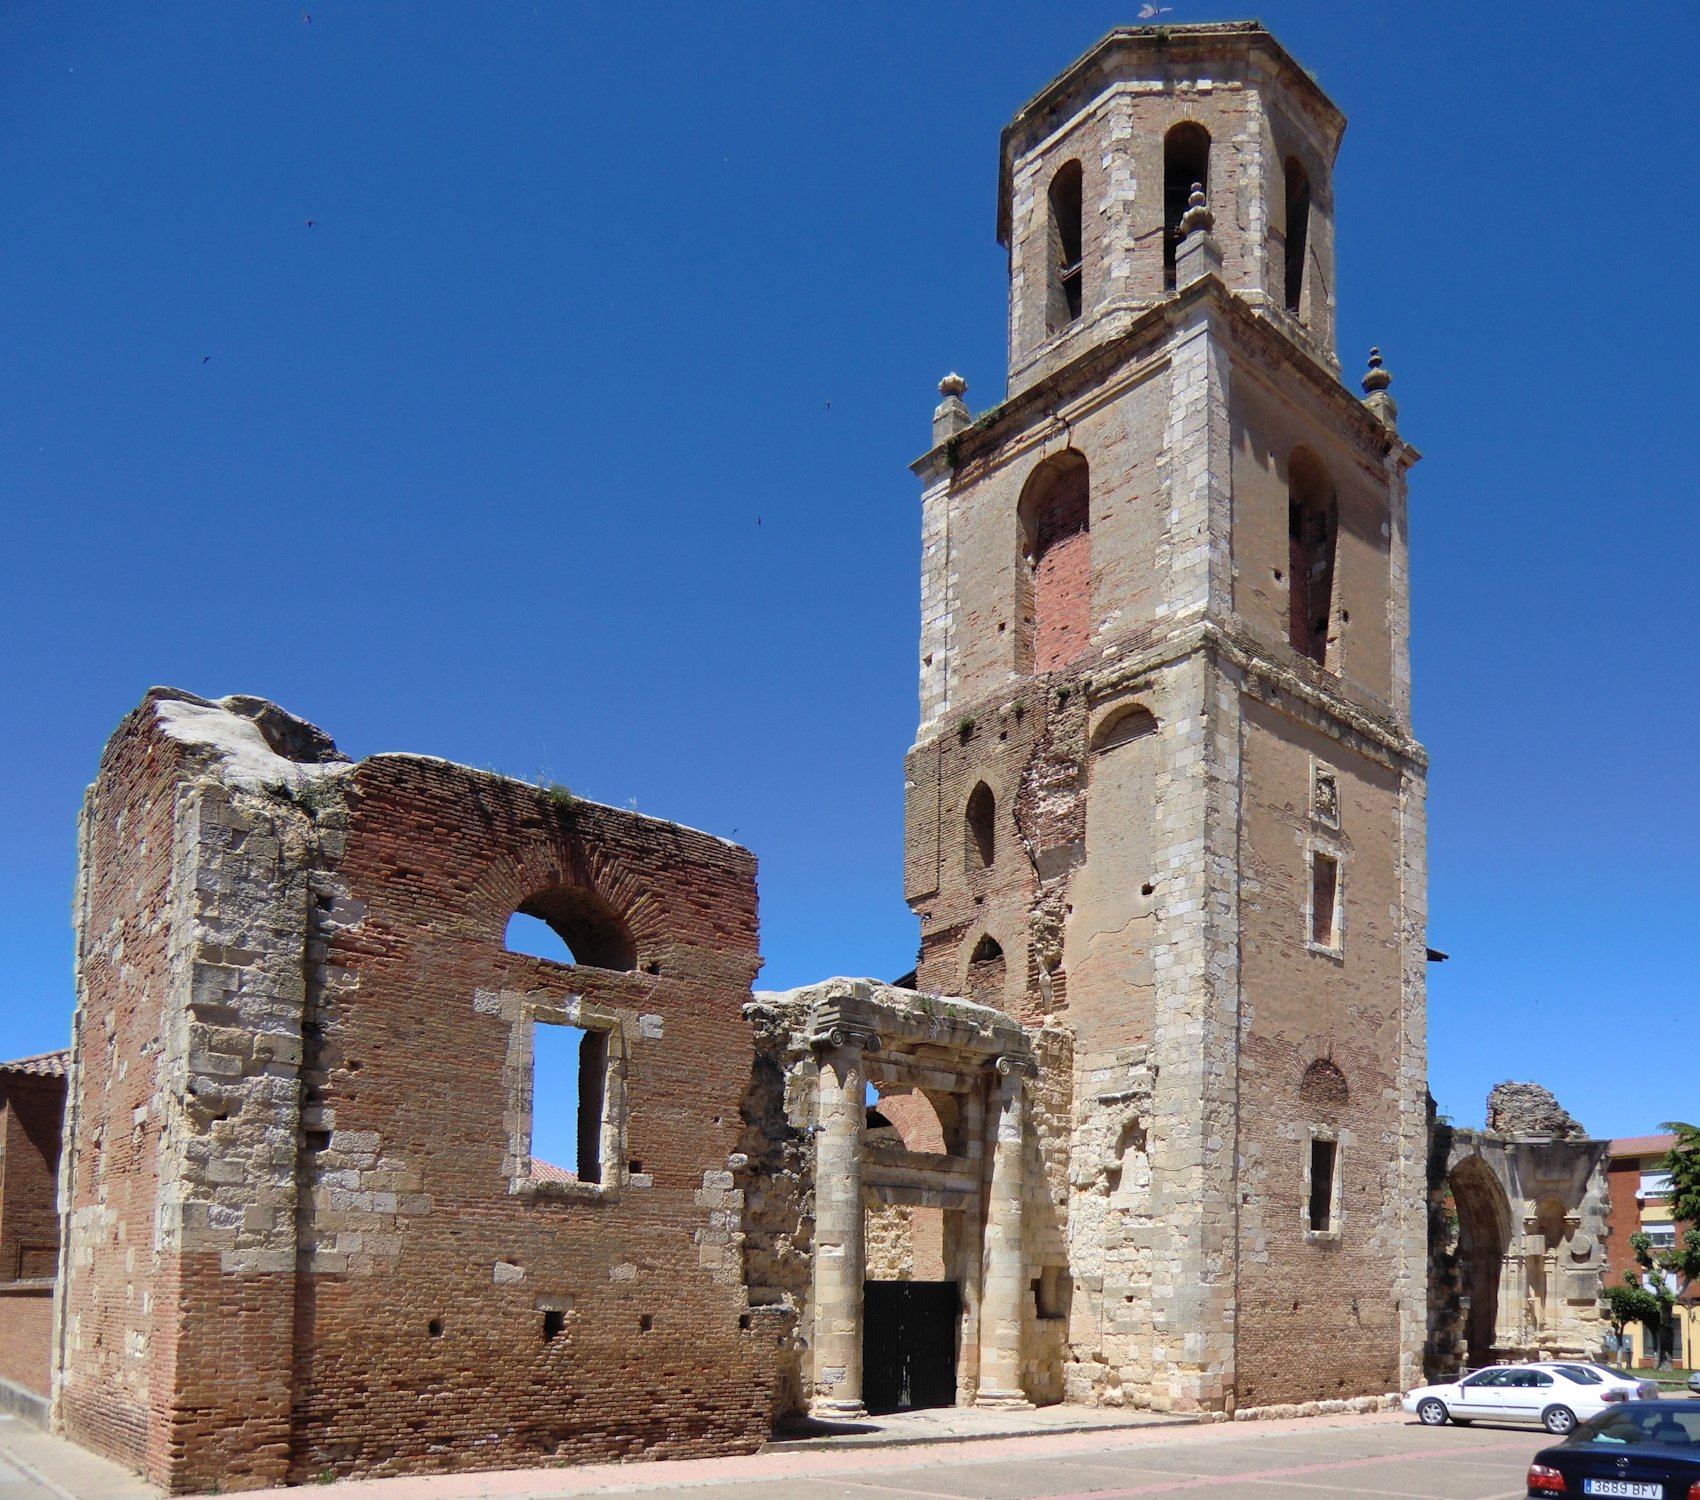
(1322, 1185)
(569, 1087)
(1324, 899)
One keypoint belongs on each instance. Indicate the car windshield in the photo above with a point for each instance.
(1641, 1422)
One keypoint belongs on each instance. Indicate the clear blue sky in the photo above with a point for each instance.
(533, 385)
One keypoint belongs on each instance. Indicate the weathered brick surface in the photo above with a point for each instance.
(315, 1245)
(26, 1344)
(32, 1113)
(113, 1352)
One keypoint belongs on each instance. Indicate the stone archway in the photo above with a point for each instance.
(1516, 1230)
(1483, 1242)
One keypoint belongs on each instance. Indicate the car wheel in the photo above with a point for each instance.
(1431, 1413)
(1558, 1419)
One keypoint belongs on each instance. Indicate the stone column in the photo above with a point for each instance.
(838, 1259)
(1003, 1291)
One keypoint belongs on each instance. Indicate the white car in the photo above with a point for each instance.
(1547, 1394)
(1633, 1389)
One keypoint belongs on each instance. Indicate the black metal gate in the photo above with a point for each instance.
(908, 1344)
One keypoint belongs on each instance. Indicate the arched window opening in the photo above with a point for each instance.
(1324, 1085)
(1063, 299)
(1123, 727)
(1312, 521)
(1298, 233)
(1056, 593)
(585, 929)
(1186, 160)
(986, 972)
(981, 820)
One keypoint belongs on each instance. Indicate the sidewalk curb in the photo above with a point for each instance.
(26, 1405)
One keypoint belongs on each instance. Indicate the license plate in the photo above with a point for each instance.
(1627, 1487)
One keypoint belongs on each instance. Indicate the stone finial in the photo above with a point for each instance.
(1198, 255)
(1197, 215)
(1376, 395)
(950, 416)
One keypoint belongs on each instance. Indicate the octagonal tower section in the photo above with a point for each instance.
(1096, 171)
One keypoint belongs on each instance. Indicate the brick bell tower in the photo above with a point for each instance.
(1164, 804)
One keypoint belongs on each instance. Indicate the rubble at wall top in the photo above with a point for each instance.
(1530, 1111)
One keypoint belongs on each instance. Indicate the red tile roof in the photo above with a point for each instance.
(545, 1171)
(1643, 1145)
(42, 1065)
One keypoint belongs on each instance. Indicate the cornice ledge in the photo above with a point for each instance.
(1259, 335)
(1387, 739)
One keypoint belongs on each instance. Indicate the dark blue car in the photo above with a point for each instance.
(1640, 1450)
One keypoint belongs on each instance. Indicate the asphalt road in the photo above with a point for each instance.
(1309, 1461)
(1383, 1455)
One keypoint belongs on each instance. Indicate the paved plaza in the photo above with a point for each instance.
(1384, 1454)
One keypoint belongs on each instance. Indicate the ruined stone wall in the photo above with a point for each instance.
(1519, 1232)
(1048, 1315)
(779, 1193)
(906, 1242)
(115, 1354)
(298, 968)
(437, 1260)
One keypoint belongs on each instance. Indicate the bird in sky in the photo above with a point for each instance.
(1149, 12)
(205, 358)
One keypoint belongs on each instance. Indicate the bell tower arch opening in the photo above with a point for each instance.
(1313, 518)
(1186, 160)
(1297, 236)
(1065, 285)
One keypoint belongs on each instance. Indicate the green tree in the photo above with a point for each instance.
(1629, 1302)
(1667, 1274)
(1682, 1162)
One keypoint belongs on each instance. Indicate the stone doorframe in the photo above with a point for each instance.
(861, 1031)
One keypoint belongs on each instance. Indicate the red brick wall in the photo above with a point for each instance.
(1623, 1182)
(32, 1112)
(1062, 602)
(26, 1326)
(439, 857)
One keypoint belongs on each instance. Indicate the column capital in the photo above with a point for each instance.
(1007, 1063)
(837, 1034)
